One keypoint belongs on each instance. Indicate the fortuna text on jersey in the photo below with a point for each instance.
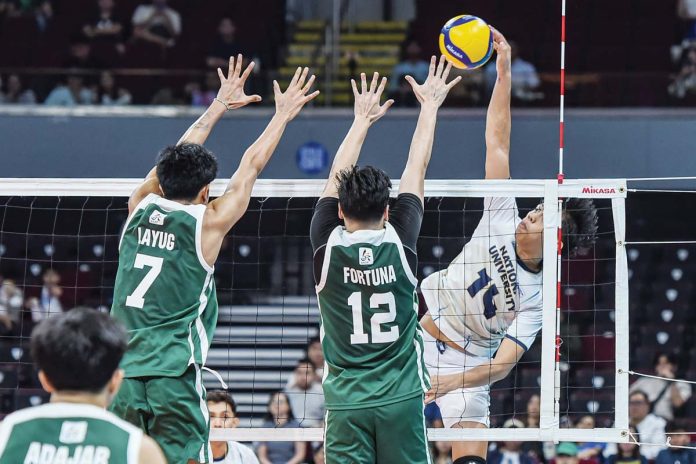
(380, 276)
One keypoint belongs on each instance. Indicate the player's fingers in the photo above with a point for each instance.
(387, 104)
(382, 85)
(311, 96)
(454, 82)
(440, 66)
(295, 77)
(355, 88)
(447, 70)
(248, 70)
(253, 99)
(411, 81)
(230, 68)
(276, 87)
(308, 85)
(238, 66)
(221, 75)
(303, 76)
(431, 69)
(373, 84)
(363, 83)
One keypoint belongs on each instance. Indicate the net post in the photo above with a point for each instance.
(621, 319)
(549, 417)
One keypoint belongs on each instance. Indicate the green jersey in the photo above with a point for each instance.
(165, 291)
(370, 333)
(68, 433)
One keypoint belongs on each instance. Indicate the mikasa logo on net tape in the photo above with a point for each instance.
(366, 257)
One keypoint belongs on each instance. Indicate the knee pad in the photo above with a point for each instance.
(470, 460)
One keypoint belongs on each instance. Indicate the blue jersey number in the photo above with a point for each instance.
(489, 308)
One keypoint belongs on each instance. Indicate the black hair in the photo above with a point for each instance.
(579, 225)
(183, 170)
(268, 417)
(79, 350)
(674, 427)
(671, 358)
(363, 193)
(640, 392)
(221, 396)
(314, 340)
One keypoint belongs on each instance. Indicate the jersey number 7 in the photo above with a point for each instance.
(479, 284)
(136, 299)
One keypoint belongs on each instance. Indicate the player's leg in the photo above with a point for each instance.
(349, 436)
(180, 422)
(130, 403)
(401, 434)
(469, 452)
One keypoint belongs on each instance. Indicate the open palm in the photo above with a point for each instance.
(435, 88)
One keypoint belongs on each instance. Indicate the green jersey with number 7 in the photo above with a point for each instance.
(165, 291)
(369, 312)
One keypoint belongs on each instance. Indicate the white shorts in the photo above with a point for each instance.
(463, 404)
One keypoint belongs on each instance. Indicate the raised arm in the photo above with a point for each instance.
(430, 94)
(230, 96)
(500, 366)
(498, 120)
(367, 111)
(225, 211)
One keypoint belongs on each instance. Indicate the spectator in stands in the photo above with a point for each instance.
(685, 81)
(525, 79)
(157, 23)
(403, 95)
(590, 452)
(665, 395)
(306, 395)
(442, 452)
(43, 13)
(167, 96)
(316, 357)
(686, 10)
(11, 302)
(510, 451)
(225, 45)
(679, 437)
(535, 449)
(412, 65)
(80, 54)
(650, 427)
(15, 94)
(104, 27)
(205, 96)
(533, 411)
(48, 303)
(628, 453)
(280, 452)
(566, 453)
(223, 415)
(318, 455)
(108, 94)
(9, 8)
(72, 92)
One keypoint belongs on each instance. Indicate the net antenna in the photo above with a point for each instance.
(550, 429)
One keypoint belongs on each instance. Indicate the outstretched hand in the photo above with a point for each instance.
(435, 88)
(290, 102)
(367, 100)
(231, 91)
(503, 60)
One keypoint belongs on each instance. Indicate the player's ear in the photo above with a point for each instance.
(235, 422)
(204, 194)
(340, 212)
(386, 214)
(115, 382)
(45, 383)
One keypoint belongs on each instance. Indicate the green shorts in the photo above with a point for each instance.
(393, 433)
(172, 410)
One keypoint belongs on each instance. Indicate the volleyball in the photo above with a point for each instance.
(466, 41)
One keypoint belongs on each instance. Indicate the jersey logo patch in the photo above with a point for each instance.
(366, 257)
(73, 432)
(157, 218)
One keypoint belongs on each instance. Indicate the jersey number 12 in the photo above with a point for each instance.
(359, 336)
(136, 299)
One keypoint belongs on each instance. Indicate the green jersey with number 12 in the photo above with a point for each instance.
(165, 291)
(370, 334)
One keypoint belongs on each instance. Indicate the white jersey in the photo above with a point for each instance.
(238, 454)
(486, 293)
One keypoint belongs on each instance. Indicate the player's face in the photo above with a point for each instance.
(221, 416)
(531, 229)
